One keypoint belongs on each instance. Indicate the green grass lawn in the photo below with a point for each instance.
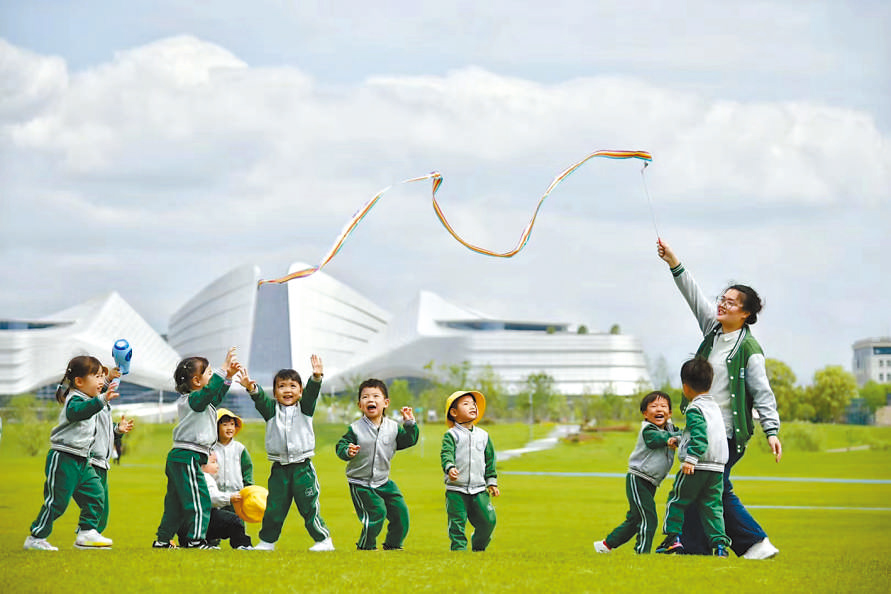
(546, 524)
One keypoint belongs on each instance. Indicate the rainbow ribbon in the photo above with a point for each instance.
(436, 177)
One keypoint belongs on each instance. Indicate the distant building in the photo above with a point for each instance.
(34, 353)
(872, 360)
(280, 326)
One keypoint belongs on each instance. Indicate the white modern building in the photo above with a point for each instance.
(872, 360)
(279, 326)
(34, 353)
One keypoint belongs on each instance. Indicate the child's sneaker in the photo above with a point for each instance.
(163, 545)
(721, 551)
(198, 544)
(671, 544)
(33, 543)
(265, 546)
(601, 547)
(91, 539)
(389, 548)
(323, 545)
(763, 549)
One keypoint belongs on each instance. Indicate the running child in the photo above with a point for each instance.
(368, 446)
(187, 503)
(468, 461)
(290, 445)
(703, 450)
(68, 469)
(648, 465)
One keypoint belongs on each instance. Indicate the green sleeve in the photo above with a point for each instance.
(407, 435)
(341, 447)
(490, 461)
(310, 396)
(212, 393)
(79, 408)
(656, 438)
(698, 429)
(263, 403)
(447, 454)
(247, 468)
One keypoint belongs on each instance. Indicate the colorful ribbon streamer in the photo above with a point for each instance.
(436, 177)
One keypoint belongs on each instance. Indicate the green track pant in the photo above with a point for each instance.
(461, 507)
(703, 488)
(103, 517)
(298, 483)
(68, 476)
(641, 520)
(373, 506)
(187, 503)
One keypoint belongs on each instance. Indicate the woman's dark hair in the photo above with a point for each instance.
(751, 302)
(373, 383)
(287, 374)
(80, 366)
(187, 369)
(646, 400)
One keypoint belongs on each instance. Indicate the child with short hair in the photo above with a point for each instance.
(468, 461)
(224, 523)
(187, 503)
(703, 450)
(369, 446)
(236, 470)
(69, 473)
(101, 450)
(290, 445)
(648, 465)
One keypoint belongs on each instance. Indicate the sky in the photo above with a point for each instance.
(151, 146)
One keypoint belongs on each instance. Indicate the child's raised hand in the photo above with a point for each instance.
(114, 373)
(125, 425)
(407, 413)
(245, 379)
(493, 490)
(230, 365)
(673, 443)
(687, 468)
(317, 370)
(111, 394)
(453, 473)
(352, 450)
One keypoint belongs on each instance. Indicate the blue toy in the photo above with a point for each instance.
(121, 352)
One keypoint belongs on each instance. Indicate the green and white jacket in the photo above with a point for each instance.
(472, 453)
(77, 424)
(196, 430)
(651, 458)
(370, 467)
(290, 437)
(749, 387)
(704, 442)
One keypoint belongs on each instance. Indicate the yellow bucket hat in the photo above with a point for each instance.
(477, 396)
(252, 505)
(225, 412)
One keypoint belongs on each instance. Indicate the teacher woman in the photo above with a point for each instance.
(740, 385)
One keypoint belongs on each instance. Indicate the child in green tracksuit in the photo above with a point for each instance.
(703, 451)
(187, 504)
(368, 446)
(648, 464)
(290, 445)
(468, 461)
(69, 473)
(103, 442)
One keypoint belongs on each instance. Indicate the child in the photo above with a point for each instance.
(236, 471)
(100, 451)
(648, 464)
(468, 461)
(187, 503)
(68, 469)
(368, 446)
(224, 524)
(704, 452)
(290, 445)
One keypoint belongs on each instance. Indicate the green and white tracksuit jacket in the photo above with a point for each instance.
(472, 453)
(651, 458)
(370, 467)
(236, 467)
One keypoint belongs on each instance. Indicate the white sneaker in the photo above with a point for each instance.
(323, 545)
(763, 549)
(90, 539)
(600, 546)
(264, 546)
(38, 544)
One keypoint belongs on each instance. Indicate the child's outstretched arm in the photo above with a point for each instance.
(409, 431)
(656, 438)
(346, 448)
(79, 409)
(124, 426)
(313, 387)
(698, 443)
(490, 474)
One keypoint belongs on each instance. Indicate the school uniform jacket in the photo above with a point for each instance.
(77, 424)
(236, 468)
(289, 433)
(197, 427)
(472, 453)
(100, 451)
(704, 442)
(651, 458)
(370, 467)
